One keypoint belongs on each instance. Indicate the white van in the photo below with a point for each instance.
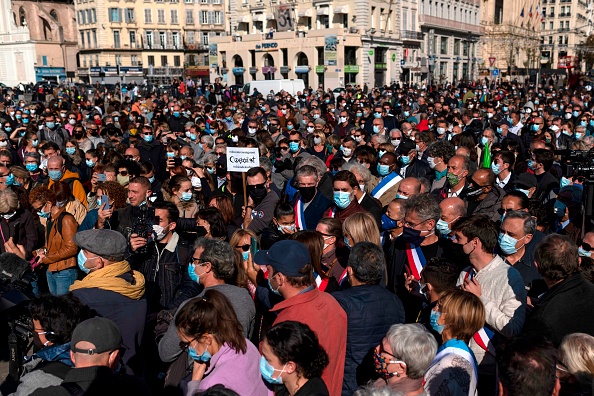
(265, 86)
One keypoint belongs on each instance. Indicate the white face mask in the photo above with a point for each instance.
(160, 232)
(395, 142)
(196, 182)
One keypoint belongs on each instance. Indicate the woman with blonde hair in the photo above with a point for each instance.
(360, 227)
(178, 190)
(457, 317)
(575, 367)
(241, 241)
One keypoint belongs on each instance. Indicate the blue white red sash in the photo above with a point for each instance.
(483, 337)
(387, 182)
(458, 348)
(416, 260)
(322, 283)
(332, 212)
(343, 277)
(299, 215)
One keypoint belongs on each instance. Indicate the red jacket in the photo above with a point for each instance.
(322, 313)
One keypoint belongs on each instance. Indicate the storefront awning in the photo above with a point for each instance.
(305, 13)
(244, 19)
(270, 17)
(341, 9)
(323, 11)
(258, 17)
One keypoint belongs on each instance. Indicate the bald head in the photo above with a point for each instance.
(54, 163)
(409, 186)
(452, 208)
(132, 151)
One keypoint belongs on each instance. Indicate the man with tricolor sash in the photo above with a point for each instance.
(309, 204)
(500, 288)
(418, 243)
(387, 188)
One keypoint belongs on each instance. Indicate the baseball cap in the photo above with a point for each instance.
(101, 332)
(286, 257)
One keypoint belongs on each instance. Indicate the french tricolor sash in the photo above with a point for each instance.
(299, 215)
(343, 277)
(459, 348)
(483, 337)
(416, 260)
(322, 283)
(386, 183)
(332, 213)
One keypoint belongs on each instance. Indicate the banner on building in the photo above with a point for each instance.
(284, 18)
(331, 50)
(213, 54)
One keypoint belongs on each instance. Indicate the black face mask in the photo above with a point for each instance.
(307, 193)
(474, 191)
(412, 236)
(257, 192)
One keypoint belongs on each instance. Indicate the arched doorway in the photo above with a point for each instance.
(268, 67)
(302, 69)
(238, 69)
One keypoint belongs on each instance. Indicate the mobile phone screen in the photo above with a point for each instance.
(253, 246)
(104, 200)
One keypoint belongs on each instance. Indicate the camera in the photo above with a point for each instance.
(144, 218)
(577, 163)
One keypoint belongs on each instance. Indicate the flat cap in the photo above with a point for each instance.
(320, 121)
(105, 243)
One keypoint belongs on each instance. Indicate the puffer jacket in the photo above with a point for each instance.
(61, 249)
(78, 191)
(371, 310)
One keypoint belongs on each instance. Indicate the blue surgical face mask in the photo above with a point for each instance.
(484, 140)
(346, 241)
(579, 135)
(176, 114)
(565, 182)
(443, 227)
(152, 179)
(507, 244)
(294, 147)
(433, 321)
(275, 291)
(531, 164)
(31, 167)
(148, 138)
(499, 130)
(576, 113)
(50, 125)
(559, 209)
(55, 175)
(9, 180)
(70, 150)
(583, 252)
(495, 168)
(192, 273)
(383, 170)
(404, 160)
(90, 163)
(281, 228)
(406, 113)
(342, 199)
(245, 255)
(505, 109)
(204, 358)
(527, 192)
(81, 259)
(186, 196)
(381, 153)
(376, 129)
(583, 123)
(267, 372)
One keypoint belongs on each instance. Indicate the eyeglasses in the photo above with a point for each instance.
(294, 141)
(123, 173)
(283, 148)
(244, 248)
(412, 225)
(586, 246)
(198, 261)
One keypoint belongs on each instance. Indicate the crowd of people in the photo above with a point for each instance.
(392, 241)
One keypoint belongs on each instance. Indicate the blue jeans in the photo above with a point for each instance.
(59, 282)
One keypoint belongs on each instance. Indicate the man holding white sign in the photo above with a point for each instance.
(259, 208)
(259, 211)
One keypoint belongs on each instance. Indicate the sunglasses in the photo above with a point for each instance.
(244, 248)
(124, 173)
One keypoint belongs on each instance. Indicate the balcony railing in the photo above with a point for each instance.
(411, 35)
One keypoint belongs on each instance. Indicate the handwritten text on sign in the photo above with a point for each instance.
(241, 159)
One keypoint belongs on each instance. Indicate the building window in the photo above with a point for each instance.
(345, 21)
(82, 39)
(218, 17)
(189, 17)
(115, 15)
(130, 15)
(94, 38)
(189, 1)
(324, 22)
(162, 40)
(134, 60)
(160, 16)
(203, 1)
(148, 15)
(443, 47)
(174, 17)
(190, 38)
(175, 39)
(204, 17)
(151, 60)
(177, 61)
(116, 39)
(149, 39)
(94, 15)
(204, 38)
(132, 38)
(118, 60)
(163, 60)
(456, 47)
(84, 61)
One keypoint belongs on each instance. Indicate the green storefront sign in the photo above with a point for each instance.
(320, 69)
(351, 69)
(380, 66)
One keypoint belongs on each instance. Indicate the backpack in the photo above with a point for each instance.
(58, 225)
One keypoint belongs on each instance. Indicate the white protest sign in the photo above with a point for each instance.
(242, 159)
